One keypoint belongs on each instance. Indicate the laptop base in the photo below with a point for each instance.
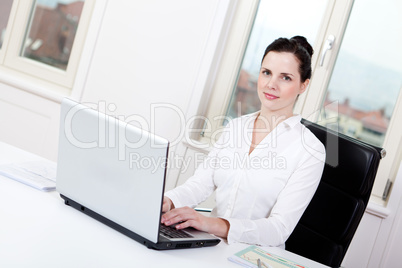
(162, 245)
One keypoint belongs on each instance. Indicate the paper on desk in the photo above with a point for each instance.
(249, 256)
(39, 174)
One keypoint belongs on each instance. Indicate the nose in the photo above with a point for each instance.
(271, 83)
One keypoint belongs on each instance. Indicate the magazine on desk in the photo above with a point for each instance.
(249, 258)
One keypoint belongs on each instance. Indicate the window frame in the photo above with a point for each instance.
(230, 64)
(44, 79)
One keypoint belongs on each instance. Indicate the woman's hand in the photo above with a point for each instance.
(167, 204)
(188, 217)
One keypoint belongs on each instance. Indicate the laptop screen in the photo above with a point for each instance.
(112, 168)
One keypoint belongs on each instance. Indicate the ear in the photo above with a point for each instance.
(304, 86)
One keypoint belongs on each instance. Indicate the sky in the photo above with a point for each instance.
(374, 31)
(53, 3)
(285, 18)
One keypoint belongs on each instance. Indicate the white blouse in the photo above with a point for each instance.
(263, 194)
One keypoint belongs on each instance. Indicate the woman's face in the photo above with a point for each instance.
(279, 83)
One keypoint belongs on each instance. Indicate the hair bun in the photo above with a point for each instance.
(302, 41)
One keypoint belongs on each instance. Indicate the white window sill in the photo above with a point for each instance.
(48, 91)
(376, 207)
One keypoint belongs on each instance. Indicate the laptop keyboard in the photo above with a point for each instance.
(172, 232)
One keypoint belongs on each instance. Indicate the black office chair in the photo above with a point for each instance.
(327, 226)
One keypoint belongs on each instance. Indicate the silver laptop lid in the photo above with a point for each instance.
(112, 168)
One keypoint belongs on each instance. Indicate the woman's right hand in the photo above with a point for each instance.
(167, 204)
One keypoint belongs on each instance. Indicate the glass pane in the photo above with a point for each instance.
(5, 8)
(367, 77)
(274, 19)
(52, 30)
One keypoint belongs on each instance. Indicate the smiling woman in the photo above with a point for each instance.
(285, 74)
(255, 204)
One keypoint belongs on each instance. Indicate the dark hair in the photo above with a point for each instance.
(302, 50)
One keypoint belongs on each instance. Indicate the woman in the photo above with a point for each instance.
(265, 167)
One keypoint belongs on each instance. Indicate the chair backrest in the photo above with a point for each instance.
(327, 226)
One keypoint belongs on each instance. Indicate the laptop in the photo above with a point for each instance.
(115, 172)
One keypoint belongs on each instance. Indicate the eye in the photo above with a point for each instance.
(266, 72)
(287, 78)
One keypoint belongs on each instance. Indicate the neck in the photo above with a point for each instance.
(272, 119)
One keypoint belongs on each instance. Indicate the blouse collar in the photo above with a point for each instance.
(289, 122)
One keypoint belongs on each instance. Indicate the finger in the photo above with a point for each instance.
(200, 222)
(188, 223)
(165, 217)
(177, 218)
(165, 207)
(169, 216)
(178, 215)
(167, 204)
(193, 219)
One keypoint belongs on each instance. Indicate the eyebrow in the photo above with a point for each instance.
(286, 74)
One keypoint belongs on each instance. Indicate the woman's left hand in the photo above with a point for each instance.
(188, 217)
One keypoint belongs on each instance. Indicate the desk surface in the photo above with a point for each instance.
(38, 230)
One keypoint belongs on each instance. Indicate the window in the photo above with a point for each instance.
(356, 83)
(367, 78)
(52, 45)
(46, 41)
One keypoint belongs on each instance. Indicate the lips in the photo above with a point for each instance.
(270, 96)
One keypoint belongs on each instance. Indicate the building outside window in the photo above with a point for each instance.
(52, 31)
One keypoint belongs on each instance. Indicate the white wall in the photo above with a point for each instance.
(28, 121)
(152, 60)
(151, 52)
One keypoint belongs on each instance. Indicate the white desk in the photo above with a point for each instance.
(38, 230)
